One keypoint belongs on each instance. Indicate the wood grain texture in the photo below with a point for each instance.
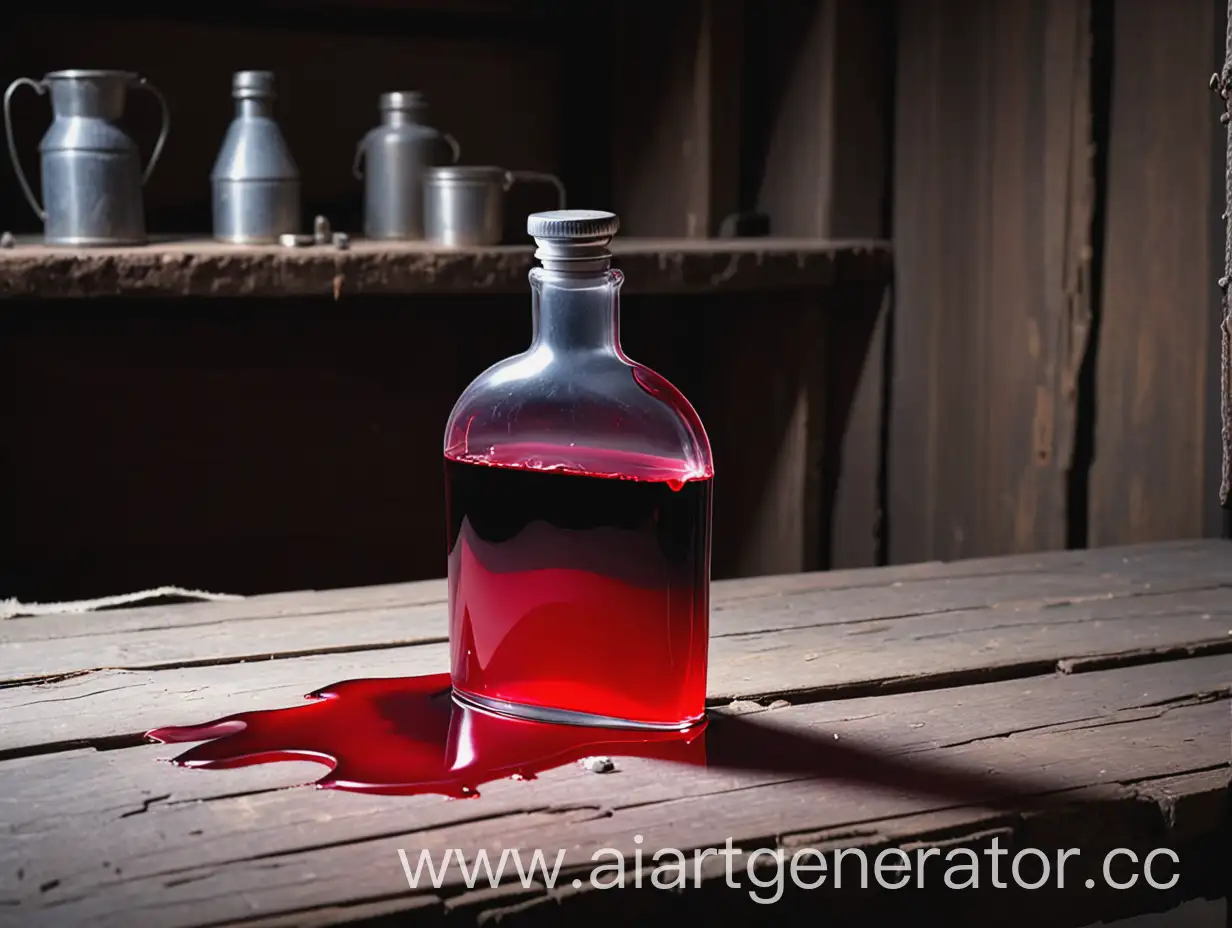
(823, 171)
(115, 674)
(794, 655)
(676, 115)
(992, 194)
(1223, 346)
(1152, 477)
(1113, 758)
(206, 269)
(1174, 560)
(1068, 699)
(769, 389)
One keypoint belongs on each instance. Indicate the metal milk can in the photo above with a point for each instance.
(397, 153)
(256, 185)
(91, 169)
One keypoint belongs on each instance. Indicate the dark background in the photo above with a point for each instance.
(1044, 376)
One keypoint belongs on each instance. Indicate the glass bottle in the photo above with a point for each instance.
(578, 498)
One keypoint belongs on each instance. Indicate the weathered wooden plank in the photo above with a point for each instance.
(991, 197)
(206, 643)
(1168, 561)
(677, 116)
(977, 603)
(207, 269)
(824, 172)
(857, 518)
(1151, 478)
(825, 117)
(1222, 346)
(797, 647)
(111, 837)
(767, 443)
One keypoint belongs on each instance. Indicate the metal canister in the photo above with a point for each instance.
(391, 159)
(256, 182)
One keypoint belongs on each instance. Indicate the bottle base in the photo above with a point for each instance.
(566, 716)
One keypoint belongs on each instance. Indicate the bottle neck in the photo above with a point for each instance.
(401, 117)
(576, 311)
(254, 107)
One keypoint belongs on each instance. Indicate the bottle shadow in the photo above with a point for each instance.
(407, 736)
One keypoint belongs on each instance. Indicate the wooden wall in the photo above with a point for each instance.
(1155, 475)
(1049, 170)
(250, 445)
(261, 444)
(1055, 202)
(822, 166)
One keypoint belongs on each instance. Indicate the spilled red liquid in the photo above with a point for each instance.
(406, 736)
(579, 581)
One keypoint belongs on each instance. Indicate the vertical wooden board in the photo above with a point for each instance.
(1149, 479)
(859, 193)
(676, 108)
(764, 409)
(823, 173)
(1218, 468)
(823, 163)
(857, 345)
(990, 231)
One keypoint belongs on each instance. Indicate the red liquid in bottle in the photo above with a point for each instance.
(580, 588)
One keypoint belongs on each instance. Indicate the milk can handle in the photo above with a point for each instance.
(453, 146)
(143, 84)
(362, 146)
(512, 177)
(39, 88)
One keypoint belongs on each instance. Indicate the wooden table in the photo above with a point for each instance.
(1062, 701)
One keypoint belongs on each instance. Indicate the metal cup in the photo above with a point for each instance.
(464, 205)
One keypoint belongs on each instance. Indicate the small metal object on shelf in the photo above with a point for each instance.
(7, 240)
(342, 241)
(291, 240)
(320, 231)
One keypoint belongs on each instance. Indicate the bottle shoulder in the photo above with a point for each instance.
(598, 413)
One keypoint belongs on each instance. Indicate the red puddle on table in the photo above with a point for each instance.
(407, 736)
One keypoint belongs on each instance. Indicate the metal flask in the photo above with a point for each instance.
(91, 168)
(391, 160)
(255, 179)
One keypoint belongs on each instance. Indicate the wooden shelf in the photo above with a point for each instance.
(198, 268)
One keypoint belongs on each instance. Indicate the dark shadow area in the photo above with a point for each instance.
(1077, 503)
(249, 446)
(524, 20)
(884, 526)
(849, 344)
